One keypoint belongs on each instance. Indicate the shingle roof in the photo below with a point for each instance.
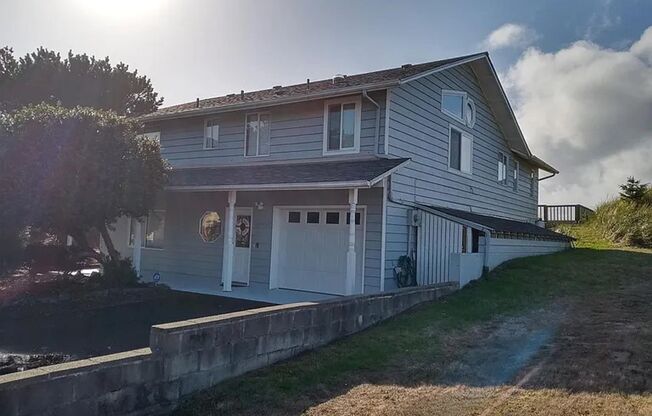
(361, 173)
(304, 90)
(502, 225)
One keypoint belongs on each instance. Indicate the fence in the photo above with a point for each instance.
(569, 214)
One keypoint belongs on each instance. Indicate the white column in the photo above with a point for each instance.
(383, 236)
(350, 254)
(138, 242)
(229, 244)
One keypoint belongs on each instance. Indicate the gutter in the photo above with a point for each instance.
(547, 177)
(365, 95)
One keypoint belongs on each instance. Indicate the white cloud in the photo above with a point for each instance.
(510, 35)
(587, 110)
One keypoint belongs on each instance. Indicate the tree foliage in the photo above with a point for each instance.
(71, 170)
(633, 190)
(77, 80)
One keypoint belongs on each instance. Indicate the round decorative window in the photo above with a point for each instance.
(469, 113)
(210, 226)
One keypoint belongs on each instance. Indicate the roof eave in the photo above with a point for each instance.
(273, 186)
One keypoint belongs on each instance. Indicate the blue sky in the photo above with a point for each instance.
(205, 48)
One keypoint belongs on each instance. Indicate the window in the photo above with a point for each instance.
(502, 168)
(152, 229)
(533, 182)
(312, 218)
(452, 103)
(458, 105)
(465, 241)
(342, 126)
(332, 218)
(357, 218)
(517, 168)
(294, 217)
(152, 135)
(475, 241)
(257, 133)
(460, 154)
(210, 226)
(211, 134)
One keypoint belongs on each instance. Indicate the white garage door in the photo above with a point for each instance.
(311, 249)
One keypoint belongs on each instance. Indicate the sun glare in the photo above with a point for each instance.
(122, 8)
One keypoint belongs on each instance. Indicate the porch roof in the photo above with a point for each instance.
(502, 225)
(316, 175)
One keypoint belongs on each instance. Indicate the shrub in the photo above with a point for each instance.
(12, 249)
(625, 222)
(119, 272)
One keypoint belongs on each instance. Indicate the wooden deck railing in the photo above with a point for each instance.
(571, 214)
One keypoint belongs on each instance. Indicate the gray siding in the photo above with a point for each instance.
(186, 255)
(419, 130)
(503, 249)
(296, 134)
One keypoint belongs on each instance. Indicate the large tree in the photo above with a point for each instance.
(72, 170)
(76, 80)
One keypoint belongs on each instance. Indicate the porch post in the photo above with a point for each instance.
(229, 244)
(350, 254)
(138, 242)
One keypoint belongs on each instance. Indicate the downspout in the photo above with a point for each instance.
(487, 244)
(365, 95)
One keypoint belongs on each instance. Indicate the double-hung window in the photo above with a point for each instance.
(502, 168)
(517, 168)
(211, 134)
(460, 153)
(342, 125)
(257, 134)
(152, 229)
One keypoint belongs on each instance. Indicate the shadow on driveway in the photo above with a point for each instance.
(92, 332)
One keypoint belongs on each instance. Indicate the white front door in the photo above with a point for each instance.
(242, 249)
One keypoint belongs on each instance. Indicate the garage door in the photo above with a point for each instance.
(311, 249)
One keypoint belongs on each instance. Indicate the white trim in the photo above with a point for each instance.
(444, 67)
(462, 94)
(387, 113)
(277, 220)
(469, 102)
(229, 243)
(463, 134)
(156, 135)
(357, 101)
(214, 140)
(516, 175)
(504, 158)
(258, 154)
(383, 236)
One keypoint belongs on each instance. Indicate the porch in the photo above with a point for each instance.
(280, 234)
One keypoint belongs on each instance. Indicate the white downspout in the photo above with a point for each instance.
(365, 95)
(383, 236)
(350, 253)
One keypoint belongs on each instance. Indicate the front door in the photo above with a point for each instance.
(242, 249)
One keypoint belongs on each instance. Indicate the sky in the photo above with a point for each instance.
(578, 73)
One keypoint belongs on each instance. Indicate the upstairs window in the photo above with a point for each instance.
(460, 154)
(257, 134)
(152, 135)
(533, 182)
(211, 134)
(458, 105)
(517, 168)
(502, 168)
(342, 126)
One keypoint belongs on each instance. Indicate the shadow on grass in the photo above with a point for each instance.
(484, 335)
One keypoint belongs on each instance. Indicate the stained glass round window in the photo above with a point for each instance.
(210, 226)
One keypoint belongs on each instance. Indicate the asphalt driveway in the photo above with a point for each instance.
(83, 329)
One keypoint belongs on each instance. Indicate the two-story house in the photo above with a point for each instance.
(317, 189)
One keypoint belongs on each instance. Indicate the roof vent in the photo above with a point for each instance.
(197, 103)
(242, 94)
(337, 78)
(277, 87)
(406, 66)
(230, 95)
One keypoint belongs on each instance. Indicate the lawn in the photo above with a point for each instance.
(567, 333)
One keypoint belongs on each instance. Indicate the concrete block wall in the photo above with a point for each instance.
(188, 356)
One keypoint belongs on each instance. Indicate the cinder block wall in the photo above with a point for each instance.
(188, 356)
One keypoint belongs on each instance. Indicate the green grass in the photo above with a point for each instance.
(378, 353)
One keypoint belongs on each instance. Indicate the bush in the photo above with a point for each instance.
(625, 222)
(12, 249)
(119, 272)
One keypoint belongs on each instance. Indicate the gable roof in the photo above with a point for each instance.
(376, 80)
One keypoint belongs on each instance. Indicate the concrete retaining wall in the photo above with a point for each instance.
(188, 356)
